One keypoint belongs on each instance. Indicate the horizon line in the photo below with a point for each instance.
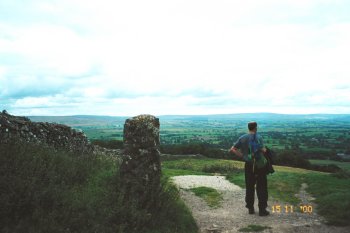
(189, 115)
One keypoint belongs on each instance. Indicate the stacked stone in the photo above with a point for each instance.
(140, 170)
(115, 154)
(14, 128)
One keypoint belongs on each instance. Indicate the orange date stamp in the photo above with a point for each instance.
(305, 209)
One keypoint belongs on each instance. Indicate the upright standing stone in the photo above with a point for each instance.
(140, 170)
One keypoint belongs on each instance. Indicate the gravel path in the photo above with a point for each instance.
(233, 215)
(216, 182)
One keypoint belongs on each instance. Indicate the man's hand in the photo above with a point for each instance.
(236, 152)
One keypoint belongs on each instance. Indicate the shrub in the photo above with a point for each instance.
(292, 159)
(325, 168)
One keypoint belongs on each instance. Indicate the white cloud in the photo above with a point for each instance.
(52, 48)
(176, 56)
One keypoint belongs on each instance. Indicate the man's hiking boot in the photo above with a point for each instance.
(251, 210)
(263, 212)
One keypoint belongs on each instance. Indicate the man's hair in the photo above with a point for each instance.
(252, 125)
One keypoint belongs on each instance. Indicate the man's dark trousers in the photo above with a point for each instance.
(258, 178)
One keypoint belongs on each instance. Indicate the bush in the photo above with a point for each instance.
(206, 149)
(325, 168)
(291, 158)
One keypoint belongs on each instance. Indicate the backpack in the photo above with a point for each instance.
(269, 155)
(255, 152)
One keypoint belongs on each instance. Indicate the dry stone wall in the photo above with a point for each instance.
(58, 136)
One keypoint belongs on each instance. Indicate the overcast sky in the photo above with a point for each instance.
(69, 57)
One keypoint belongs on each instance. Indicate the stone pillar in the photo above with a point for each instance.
(140, 170)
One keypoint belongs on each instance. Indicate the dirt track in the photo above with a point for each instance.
(232, 215)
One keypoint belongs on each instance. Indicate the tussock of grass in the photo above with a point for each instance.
(210, 195)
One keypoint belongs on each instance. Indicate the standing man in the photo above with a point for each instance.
(250, 146)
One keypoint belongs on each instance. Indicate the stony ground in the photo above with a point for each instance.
(232, 215)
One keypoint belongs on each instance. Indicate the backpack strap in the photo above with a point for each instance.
(251, 151)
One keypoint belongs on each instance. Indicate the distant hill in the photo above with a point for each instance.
(80, 120)
(314, 133)
(259, 116)
(85, 120)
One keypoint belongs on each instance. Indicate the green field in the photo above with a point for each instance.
(316, 136)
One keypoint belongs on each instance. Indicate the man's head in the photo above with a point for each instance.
(252, 126)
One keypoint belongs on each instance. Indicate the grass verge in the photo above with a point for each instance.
(211, 196)
(204, 165)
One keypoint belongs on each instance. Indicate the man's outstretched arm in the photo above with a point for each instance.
(236, 151)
